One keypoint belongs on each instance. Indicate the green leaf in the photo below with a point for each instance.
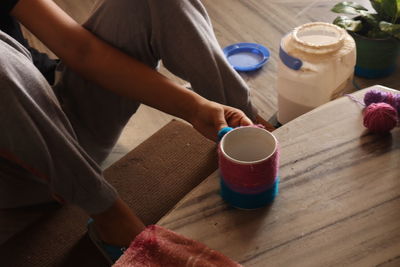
(392, 29)
(377, 5)
(371, 19)
(350, 8)
(391, 9)
(348, 24)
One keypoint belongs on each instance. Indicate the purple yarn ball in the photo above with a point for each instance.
(389, 99)
(374, 96)
(396, 102)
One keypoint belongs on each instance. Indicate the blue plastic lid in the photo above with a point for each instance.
(246, 56)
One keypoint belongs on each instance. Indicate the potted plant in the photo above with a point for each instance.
(376, 33)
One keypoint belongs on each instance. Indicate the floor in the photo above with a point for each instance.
(261, 21)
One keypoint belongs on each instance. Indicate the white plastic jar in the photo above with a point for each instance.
(316, 65)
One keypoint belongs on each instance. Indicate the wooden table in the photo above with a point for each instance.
(339, 200)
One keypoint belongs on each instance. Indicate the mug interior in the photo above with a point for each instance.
(248, 145)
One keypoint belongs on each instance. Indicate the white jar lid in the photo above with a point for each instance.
(318, 37)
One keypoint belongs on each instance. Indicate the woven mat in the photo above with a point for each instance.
(152, 178)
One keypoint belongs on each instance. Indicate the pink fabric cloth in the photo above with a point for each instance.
(157, 246)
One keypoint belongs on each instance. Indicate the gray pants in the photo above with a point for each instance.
(53, 139)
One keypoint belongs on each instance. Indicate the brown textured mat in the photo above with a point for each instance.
(152, 178)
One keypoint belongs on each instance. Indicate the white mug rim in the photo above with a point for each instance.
(275, 142)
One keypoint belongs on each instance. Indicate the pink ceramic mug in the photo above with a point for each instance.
(248, 165)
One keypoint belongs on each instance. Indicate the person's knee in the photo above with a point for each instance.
(9, 45)
(127, 25)
(19, 78)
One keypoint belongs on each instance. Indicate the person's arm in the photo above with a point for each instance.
(101, 63)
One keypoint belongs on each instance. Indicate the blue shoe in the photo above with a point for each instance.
(110, 252)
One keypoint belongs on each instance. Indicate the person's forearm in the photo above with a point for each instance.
(101, 63)
(127, 76)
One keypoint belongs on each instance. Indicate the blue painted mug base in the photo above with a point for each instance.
(249, 201)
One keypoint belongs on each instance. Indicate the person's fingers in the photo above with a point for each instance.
(245, 121)
(220, 121)
(236, 117)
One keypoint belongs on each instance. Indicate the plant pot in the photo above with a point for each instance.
(376, 58)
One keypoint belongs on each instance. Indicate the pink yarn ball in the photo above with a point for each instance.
(380, 117)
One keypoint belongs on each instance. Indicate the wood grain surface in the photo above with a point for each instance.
(339, 201)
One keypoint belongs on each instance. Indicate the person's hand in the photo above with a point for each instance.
(210, 117)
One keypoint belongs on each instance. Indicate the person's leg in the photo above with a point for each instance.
(38, 137)
(46, 66)
(179, 33)
(41, 159)
(98, 116)
(183, 37)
